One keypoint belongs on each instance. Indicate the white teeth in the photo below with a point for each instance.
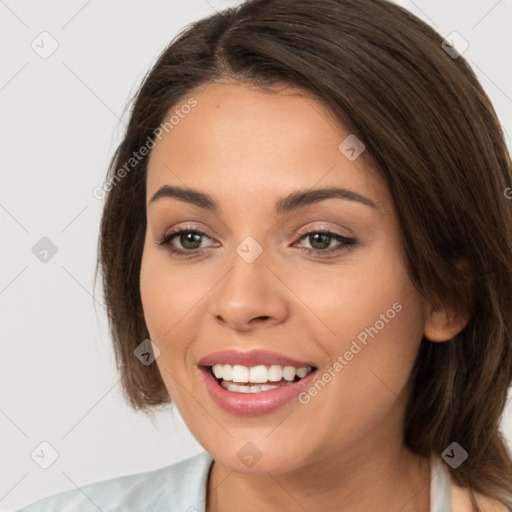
(302, 372)
(275, 373)
(227, 372)
(218, 371)
(258, 374)
(249, 389)
(240, 373)
(289, 373)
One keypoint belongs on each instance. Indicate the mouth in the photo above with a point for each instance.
(256, 379)
(255, 390)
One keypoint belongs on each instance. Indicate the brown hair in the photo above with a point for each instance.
(429, 130)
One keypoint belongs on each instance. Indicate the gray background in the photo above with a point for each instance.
(62, 117)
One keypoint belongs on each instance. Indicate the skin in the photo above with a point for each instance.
(248, 148)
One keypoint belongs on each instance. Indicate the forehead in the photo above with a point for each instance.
(240, 140)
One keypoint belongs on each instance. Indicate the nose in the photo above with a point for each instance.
(249, 295)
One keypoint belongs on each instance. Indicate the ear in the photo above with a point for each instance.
(443, 324)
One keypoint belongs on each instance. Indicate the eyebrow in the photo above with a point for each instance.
(291, 202)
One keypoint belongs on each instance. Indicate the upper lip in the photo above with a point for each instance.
(251, 358)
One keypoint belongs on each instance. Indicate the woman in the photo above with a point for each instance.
(308, 218)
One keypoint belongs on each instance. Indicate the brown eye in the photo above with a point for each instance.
(189, 241)
(320, 241)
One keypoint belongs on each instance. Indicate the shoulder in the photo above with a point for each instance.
(461, 501)
(180, 486)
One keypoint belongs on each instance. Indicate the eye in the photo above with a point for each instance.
(320, 241)
(189, 240)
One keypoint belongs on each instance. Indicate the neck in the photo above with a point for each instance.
(390, 481)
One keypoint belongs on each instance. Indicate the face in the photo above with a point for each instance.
(317, 280)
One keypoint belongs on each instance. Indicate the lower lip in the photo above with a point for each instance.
(252, 404)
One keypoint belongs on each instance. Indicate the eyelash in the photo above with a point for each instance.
(345, 242)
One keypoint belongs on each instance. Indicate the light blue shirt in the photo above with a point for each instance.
(180, 487)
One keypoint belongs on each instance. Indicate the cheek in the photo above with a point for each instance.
(372, 317)
(156, 303)
(362, 293)
(173, 300)
(165, 300)
(167, 294)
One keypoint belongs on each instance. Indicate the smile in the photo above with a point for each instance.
(255, 379)
(255, 390)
